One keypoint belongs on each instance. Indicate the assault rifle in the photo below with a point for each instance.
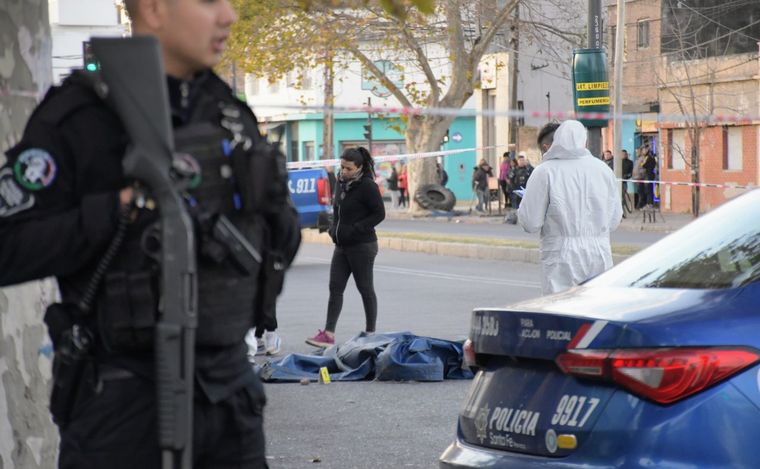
(134, 83)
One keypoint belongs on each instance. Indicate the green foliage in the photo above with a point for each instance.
(275, 37)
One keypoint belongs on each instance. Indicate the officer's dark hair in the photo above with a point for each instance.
(360, 157)
(546, 134)
(131, 7)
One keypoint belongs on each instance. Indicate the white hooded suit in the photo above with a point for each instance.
(573, 199)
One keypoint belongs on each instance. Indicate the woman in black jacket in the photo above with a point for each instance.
(357, 209)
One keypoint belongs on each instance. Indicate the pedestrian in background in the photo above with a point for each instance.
(504, 167)
(358, 208)
(519, 176)
(572, 199)
(263, 338)
(403, 183)
(480, 177)
(645, 167)
(627, 165)
(608, 159)
(393, 187)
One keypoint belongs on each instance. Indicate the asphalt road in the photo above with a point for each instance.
(381, 424)
(494, 228)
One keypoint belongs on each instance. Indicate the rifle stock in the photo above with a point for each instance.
(133, 73)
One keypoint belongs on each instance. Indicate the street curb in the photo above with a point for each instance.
(445, 248)
(634, 222)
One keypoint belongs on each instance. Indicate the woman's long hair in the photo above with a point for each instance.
(360, 157)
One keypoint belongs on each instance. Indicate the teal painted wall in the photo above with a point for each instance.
(459, 166)
(349, 127)
(309, 131)
(628, 133)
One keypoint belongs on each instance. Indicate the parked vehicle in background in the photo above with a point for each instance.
(652, 364)
(312, 195)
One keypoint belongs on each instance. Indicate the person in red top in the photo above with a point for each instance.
(402, 185)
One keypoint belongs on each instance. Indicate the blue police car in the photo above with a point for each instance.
(312, 195)
(653, 364)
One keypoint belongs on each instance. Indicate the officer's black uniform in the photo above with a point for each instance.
(59, 210)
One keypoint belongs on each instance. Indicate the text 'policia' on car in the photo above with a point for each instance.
(654, 363)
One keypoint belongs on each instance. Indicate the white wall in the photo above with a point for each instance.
(545, 65)
(347, 86)
(83, 12)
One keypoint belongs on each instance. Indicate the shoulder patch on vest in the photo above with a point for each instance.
(35, 169)
(13, 199)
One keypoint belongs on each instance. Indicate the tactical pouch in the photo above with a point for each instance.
(267, 176)
(127, 311)
(72, 343)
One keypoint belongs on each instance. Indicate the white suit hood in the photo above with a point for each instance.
(569, 142)
(573, 199)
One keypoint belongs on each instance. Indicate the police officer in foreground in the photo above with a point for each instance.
(63, 202)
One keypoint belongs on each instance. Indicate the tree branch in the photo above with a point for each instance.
(411, 41)
(395, 91)
(481, 44)
(565, 35)
(456, 36)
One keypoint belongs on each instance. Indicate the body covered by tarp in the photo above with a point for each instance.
(397, 356)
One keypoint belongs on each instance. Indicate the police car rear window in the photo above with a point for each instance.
(719, 250)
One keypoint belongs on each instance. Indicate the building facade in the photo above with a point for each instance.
(302, 132)
(683, 61)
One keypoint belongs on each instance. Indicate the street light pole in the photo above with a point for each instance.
(594, 29)
(617, 139)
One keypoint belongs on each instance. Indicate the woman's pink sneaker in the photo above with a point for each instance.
(322, 339)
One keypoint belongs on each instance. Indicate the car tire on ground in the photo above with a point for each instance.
(435, 197)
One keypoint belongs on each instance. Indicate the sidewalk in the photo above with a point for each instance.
(490, 248)
(666, 222)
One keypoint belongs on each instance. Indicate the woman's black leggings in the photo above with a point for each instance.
(359, 260)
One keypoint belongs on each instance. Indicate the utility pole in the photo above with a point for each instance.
(594, 29)
(368, 127)
(515, 69)
(329, 93)
(617, 139)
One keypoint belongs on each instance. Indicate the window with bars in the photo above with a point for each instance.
(642, 34)
(732, 148)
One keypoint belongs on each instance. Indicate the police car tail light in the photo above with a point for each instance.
(664, 375)
(669, 375)
(585, 363)
(324, 193)
(469, 354)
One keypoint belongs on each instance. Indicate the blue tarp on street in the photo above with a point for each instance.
(397, 356)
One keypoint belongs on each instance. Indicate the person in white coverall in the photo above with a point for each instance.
(573, 199)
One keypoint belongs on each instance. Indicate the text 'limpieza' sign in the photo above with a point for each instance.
(591, 89)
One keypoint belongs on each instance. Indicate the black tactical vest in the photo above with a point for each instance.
(212, 141)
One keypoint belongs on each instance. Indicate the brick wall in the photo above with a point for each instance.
(711, 169)
(640, 76)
